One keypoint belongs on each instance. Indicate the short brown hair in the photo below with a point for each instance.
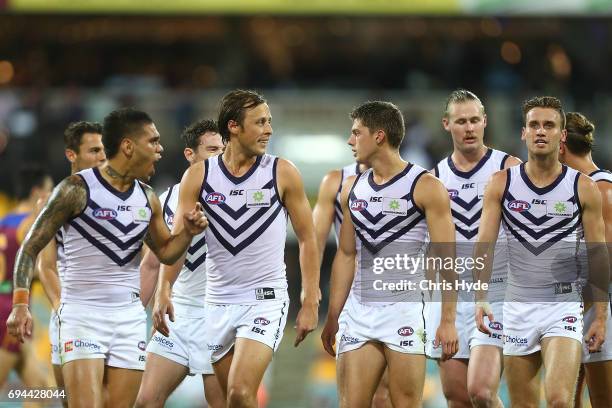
(234, 106)
(580, 139)
(74, 133)
(548, 102)
(191, 134)
(382, 115)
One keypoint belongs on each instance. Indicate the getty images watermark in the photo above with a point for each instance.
(405, 264)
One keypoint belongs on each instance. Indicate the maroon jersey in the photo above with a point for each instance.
(9, 245)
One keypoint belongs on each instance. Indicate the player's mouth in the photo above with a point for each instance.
(540, 142)
(354, 153)
(263, 141)
(470, 139)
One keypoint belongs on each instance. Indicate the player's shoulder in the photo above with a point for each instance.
(426, 182)
(584, 181)
(285, 169)
(332, 178)
(499, 176)
(509, 161)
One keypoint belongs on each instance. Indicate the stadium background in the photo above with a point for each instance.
(314, 61)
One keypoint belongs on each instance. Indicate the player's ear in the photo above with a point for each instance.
(189, 153)
(233, 126)
(446, 124)
(380, 136)
(127, 146)
(523, 135)
(564, 136)
(484, 120)
(70, 155)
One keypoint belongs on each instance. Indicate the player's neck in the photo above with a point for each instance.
(386, 166)
(237, 161)
(583, 164)
(543, 170)
(117, 175)
(465, 161)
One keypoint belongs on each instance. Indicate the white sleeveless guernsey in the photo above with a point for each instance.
(601, 175)
(246, 233)
(346, 172)
(466, 190)
(387, 222)
(190, 286)
(102, 244)
(544, 228)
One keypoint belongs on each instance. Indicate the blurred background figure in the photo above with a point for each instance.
(33, 186)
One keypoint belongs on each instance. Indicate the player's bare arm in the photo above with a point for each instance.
(431, 196)
(323, 212)
(605, 189)
(599, 264)
(163, 299)
(343, 271)
(485, 244)
(68, 199)
(47, 273)
(149, 271)
(294, 199)
(168, 246)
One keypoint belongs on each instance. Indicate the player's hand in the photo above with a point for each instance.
(195, 222)
(328, 336)
(446, 336)
(19, 322)
(596, 335)
(483, 309)
(163, 306)
(306, 321)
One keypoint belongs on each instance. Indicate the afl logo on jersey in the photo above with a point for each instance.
(496, 325)
(262, 321)
(214, 198)
(359, 205)
(452, 193)
(105, 214)
(519, 205)
(406, 331)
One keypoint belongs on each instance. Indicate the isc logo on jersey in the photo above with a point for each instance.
(359, 205)
(105, 214)
(518, 205)
(214, 198)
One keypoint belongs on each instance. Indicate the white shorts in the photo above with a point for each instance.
(465, 323)
(185, 344)
(263, 322)
(117, 335)
(526, 324)
(399, 326)
(606, 350)
(54, 338)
